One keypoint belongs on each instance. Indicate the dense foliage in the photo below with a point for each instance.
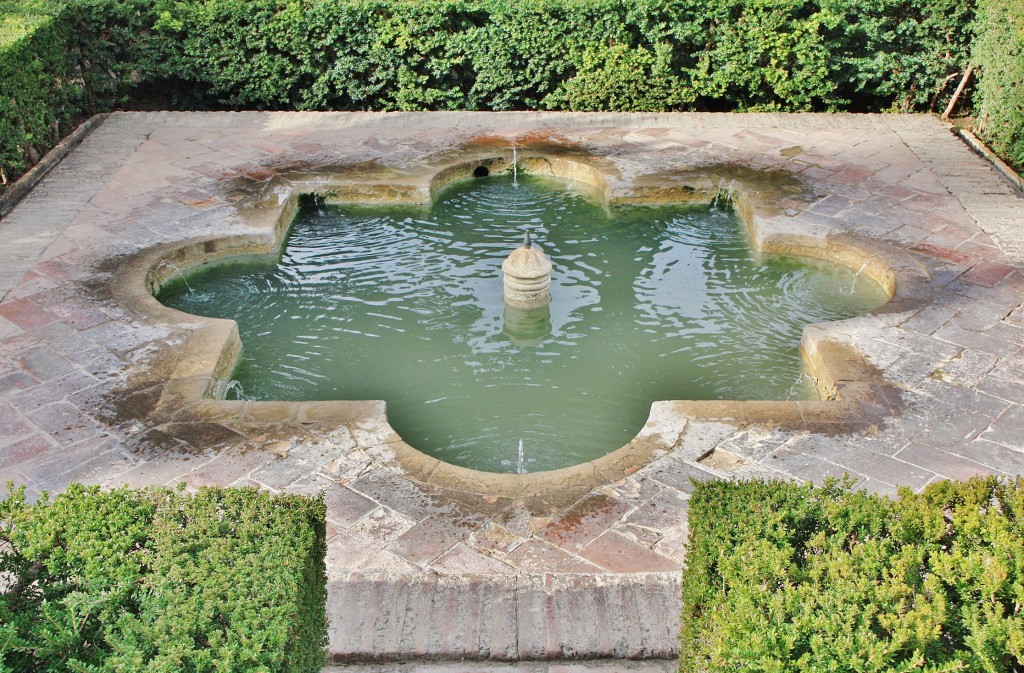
(61, 63)
(631, 55)
(784, 577)
(160, 581)
(999, 51)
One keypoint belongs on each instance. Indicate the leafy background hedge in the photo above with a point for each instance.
(1000, 50)
(645, 55)
(782, 577)
(160, 581)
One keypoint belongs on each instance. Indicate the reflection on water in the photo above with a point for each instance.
(404, 305)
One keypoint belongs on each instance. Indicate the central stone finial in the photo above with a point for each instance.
(527, 276)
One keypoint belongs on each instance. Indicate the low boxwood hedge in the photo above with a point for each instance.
(783, 577)
(161, 581)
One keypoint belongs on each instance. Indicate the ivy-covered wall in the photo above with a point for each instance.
(631, 55)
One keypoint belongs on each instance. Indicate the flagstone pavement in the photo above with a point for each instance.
(419, 570)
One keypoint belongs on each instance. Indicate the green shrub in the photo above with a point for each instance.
(999, 53)
(568, 54)
(782, 577)
(156, 580)
(66, 60)
(60, 63)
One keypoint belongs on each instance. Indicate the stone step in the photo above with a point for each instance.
(558, 666)
(385, 617)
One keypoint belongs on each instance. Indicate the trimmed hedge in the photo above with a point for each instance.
(784, 577)
(999, 51)
(62, 62)
(646, 55)
(161, 581)
(632, 55)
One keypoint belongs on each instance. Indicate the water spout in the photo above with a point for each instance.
(235, 386)
(515, 167)
(521, 465)
(223, 389)
(853, 285)
(793, 389)
(718, 193)
(175, 272)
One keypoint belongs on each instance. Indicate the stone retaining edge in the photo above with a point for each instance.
(849, 384)
(23, 185)
(976, 144)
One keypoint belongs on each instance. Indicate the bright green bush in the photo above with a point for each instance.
(784, 577)
(999, 53)
(156, 580)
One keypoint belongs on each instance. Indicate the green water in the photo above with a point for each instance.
(404, 305)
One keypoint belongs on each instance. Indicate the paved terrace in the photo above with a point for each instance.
(422, 562)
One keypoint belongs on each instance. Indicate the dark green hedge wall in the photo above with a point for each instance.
(569, 54)
(161, 582)
(81, 58)
(634, 55)
(782, 577)
(999, 52)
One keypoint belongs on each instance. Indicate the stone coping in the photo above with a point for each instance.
(852, 392)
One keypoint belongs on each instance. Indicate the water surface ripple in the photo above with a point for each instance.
(404, 305)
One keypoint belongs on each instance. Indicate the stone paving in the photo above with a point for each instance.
(420, 569)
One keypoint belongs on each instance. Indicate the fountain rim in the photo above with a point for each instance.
(854, 393)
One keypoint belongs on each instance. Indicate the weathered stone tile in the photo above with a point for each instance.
(666, 511)
(988, 273)
(64, 422)
(1008, 429)
(677, 474)
(228, 466)
(942, 463)
(930, 318)
(284, 471)
(1004, 389)
(799, 465)
(464, 560)
(968, 368)
(494, 539)
(44, 364)
(26, 314)
(433, 536)
(344, 506)
(158, 472)
(584, 521)
(619, 555)
(383, 525)
(538, 556)
(391, 489)
(57, 390)
(996, 456)
(24, 450)
(976, 341)
(13, 425)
